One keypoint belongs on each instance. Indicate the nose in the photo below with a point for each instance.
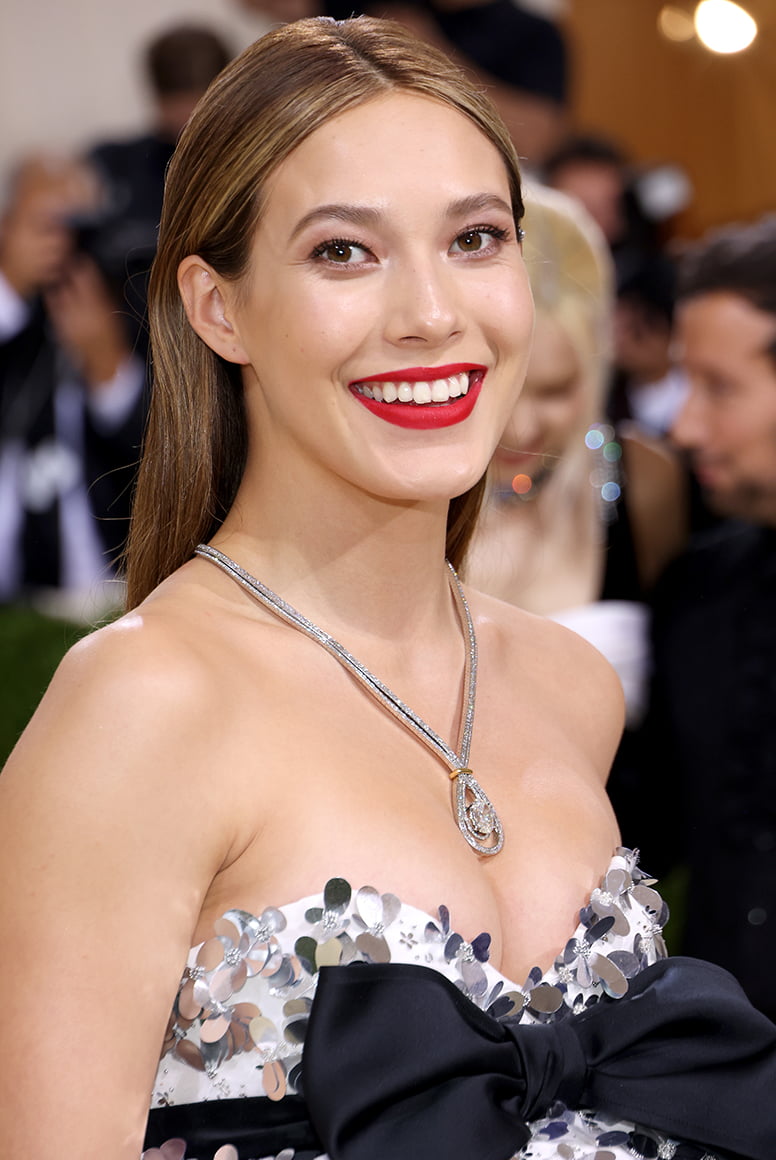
(524, 427)
(425, 310)
(688, 427)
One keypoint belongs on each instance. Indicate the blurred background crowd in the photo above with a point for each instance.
(633, 496)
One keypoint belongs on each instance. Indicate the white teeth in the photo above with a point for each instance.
(421, 393)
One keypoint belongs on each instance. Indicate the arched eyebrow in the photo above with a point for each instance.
(357, 215)
(479, 203)
(365, 215)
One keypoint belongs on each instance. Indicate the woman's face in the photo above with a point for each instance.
(385, 321)
(548, 413)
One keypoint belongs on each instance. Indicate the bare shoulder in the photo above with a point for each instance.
(562, 672)
(122, 680)
(129, 716)
(657, 501)
(530, 643)
(651, 463)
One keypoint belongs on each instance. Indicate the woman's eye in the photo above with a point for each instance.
(341, 252)
(478, 240)
(560, 394)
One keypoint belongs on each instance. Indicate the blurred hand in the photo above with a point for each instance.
(87, 323)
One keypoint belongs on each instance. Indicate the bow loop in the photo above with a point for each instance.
(395, 1057)
(399, 1063)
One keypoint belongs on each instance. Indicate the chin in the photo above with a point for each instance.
(430, 496)
(752, 504)
(438, 480)
(444, 491)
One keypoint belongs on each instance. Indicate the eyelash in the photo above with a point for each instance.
(496, 232)
(330, 243)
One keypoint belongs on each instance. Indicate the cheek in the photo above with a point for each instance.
(562, 420)
(734, 425)
(334, 324)
(521, 323)
(761, 446)
(506, 304)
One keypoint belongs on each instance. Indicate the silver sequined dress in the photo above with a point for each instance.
(237, 1028)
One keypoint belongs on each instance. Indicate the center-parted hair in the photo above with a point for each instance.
(261, 107)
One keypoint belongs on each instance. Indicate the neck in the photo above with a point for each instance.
(345, 560)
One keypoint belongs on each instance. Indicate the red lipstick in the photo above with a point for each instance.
(424, 416)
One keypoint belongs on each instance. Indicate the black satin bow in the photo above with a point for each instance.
(398, 1063)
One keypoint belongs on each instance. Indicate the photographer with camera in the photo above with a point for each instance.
(178, 66)
(71, 394)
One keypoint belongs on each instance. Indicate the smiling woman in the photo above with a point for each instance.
(438, 273)
(341, 322)
(267, 118)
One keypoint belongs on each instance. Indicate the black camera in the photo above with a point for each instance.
(122, 249)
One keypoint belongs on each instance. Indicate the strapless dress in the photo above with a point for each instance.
(238, 1025)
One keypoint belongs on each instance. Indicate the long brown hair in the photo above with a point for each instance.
(273, 96)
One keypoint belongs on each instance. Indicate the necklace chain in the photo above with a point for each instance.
(475, 815)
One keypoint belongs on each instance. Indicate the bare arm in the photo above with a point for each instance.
(105, 855)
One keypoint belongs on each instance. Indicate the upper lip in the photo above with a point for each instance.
(420, 374)
(704, 464)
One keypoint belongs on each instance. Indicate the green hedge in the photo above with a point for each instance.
(31, 647)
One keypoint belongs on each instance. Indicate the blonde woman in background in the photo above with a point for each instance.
(579, 520)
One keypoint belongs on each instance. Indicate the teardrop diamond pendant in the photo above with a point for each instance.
(477, 819)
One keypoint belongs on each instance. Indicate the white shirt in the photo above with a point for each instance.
(655, 406)
(32, 479)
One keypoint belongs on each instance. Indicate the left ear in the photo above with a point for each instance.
(206, 301)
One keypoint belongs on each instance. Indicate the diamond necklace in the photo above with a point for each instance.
(477, 819)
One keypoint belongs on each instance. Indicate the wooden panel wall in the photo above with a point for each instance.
(715, 115)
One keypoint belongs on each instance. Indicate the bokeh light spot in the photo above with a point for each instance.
(724, 26)
(594, 438)
(521, 484)
(610, 491)
(675, 23)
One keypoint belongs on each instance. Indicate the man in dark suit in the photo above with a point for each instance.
(710, 742)
(179, 64)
